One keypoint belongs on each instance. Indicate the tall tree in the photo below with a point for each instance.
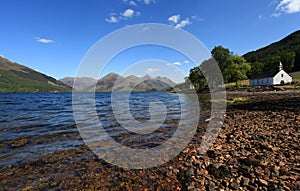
(236, 69)
(197, 78)
(207, 74)
(221, 54)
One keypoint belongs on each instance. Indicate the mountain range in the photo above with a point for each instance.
(115, 82)
(15, 77)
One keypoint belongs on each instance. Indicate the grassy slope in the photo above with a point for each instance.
(296, 76)
(242, 83)
(291, 43)
(18, 78)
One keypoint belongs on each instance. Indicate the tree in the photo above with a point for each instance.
(208, 74)
(221, 54)
(297, 59)
(236, 69)
(256, 68)
(197, 78)
(288, 60)
(272, 63)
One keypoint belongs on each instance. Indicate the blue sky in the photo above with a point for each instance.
(53, 36)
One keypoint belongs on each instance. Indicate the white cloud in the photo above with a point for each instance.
(178, 24)
(288, 7)
(197, 18)
(137, 13)
(186, 61)
(152, 70)
(128, 13)
(174, 18)
(1, 55)
(169, 64)
(260, 16)
(125, 15)
(183, 23)
(177, 63)
(276, 14)
(44, 40)
(147, 2)
(112, 19)
(194, 17)
(132, 3)
(136, 2)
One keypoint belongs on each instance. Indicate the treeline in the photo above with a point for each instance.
(286, 50)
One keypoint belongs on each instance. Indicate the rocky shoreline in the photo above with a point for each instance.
(257, 149)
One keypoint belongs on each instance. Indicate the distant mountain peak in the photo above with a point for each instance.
(147, 77)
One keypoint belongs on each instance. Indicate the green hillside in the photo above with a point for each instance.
(286, 50)
(18, 78)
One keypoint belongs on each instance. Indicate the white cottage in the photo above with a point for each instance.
(273, 77)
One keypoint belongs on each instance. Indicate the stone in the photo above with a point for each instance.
(211, 154)
(190, 171)
(232, 161)
(211, 186)
(250, 161)
(245, 181)
(169, 173)
(212, 170)
(234, 185)
(27, 188)
(175, 171)
(191, 188)
(251, 188)
(259, 171)
(202, 172)
(224, 172)
(264, 182)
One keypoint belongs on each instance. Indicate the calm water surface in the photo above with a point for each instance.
(45, 122)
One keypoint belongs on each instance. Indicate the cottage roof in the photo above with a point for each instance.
(267, 74)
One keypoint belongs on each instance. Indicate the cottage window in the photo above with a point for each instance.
(282, 75)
